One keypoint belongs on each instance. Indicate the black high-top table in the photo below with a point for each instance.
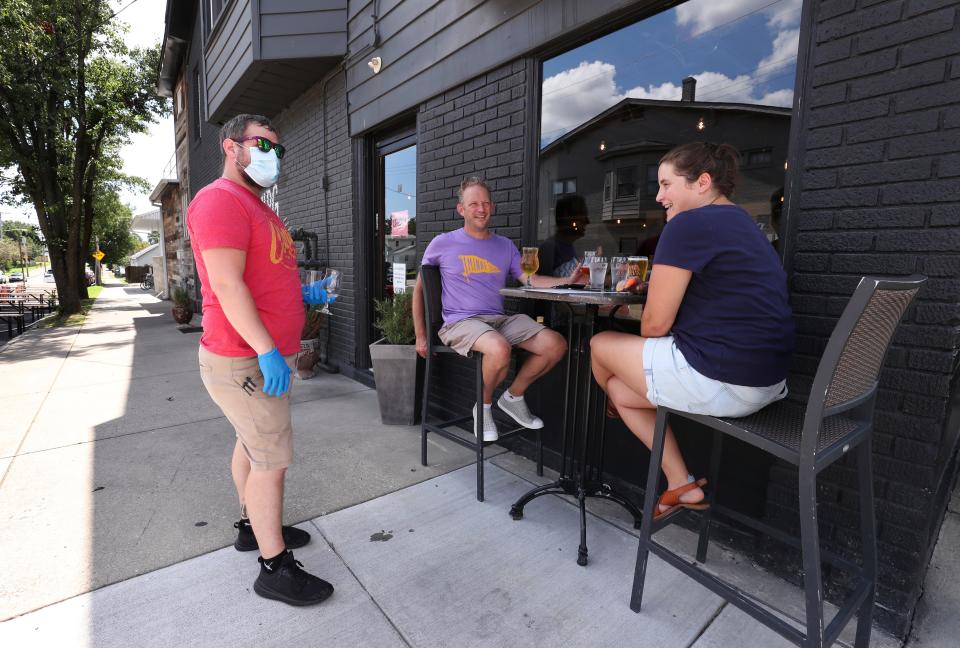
(581, 457)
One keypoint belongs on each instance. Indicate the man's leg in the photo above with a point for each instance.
(240, 469)
(263, 497)
(546, 349)
(496, 361)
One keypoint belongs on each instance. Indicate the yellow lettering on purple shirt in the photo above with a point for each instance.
(476, 265)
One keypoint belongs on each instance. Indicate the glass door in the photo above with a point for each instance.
(389, 230)
(397, 218)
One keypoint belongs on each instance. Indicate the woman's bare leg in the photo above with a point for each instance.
(618, 369)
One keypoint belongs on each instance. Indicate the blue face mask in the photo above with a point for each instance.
(264, 168)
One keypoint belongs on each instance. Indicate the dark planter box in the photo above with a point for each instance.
(398, 372)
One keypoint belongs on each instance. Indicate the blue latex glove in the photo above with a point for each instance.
(315, 294)
(276, 373)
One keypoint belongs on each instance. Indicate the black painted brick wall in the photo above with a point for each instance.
(880, 183)
(301, 198)
(477, 128)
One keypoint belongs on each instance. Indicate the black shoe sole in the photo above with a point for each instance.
(277, 596)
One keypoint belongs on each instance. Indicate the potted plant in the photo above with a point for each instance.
(182, 308)
(396, 366)
(309, 342)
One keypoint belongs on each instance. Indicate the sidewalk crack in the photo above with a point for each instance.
(386, 616)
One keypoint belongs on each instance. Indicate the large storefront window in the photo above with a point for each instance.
(610, 109)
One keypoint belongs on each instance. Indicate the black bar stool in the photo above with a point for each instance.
(432, 290)
(837, 418)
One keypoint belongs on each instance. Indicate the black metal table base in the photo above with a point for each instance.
(569, 486)
(580, 477)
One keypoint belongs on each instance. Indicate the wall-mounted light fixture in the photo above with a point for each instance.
(701, 124)
(375, 64)
(603, 145)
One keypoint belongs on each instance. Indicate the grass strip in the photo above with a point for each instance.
(75, 319)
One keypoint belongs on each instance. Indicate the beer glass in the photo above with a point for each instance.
(637, 266)
(598, 273)
(618, 271)
(588, 257)
(530, 260)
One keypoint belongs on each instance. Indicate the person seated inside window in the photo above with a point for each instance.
(717, 330)
(558, 258)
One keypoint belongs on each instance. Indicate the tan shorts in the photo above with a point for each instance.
(262, 422)
(462, 335)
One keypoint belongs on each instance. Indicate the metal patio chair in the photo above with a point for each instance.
(432, 289)
(836, 419)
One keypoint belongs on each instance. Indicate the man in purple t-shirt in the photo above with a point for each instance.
(474, 264)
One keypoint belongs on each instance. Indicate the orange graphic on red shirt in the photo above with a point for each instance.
(282, 249)
(476, 265)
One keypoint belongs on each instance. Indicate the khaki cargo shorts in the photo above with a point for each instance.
(462, 335)
(262, 422)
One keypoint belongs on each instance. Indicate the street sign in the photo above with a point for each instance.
(98, 255)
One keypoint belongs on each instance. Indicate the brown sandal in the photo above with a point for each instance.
(671, 498)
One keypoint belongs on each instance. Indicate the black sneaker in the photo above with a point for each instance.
(293, 537)
(288, 582)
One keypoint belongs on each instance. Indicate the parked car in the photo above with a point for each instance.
(90, 277)
(16, 276)
(3, 277)
(48, 277)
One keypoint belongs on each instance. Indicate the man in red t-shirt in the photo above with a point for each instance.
(252, 317)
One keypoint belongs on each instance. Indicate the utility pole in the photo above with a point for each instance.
(96, 267)
(23, 264)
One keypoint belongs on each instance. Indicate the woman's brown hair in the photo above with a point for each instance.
(695, 158)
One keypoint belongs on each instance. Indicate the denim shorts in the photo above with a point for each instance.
(672, 382)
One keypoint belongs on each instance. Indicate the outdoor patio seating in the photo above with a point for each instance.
(430, 278)
(836, 419)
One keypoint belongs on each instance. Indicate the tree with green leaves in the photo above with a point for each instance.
(71, 92)
(111, 227)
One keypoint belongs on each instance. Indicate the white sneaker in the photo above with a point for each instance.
(519, 412)
(490, 432)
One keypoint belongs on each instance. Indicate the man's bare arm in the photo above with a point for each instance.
(225, 268)
(419, 321)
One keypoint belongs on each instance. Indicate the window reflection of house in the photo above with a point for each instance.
(615, 157)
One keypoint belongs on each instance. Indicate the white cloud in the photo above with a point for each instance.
(785, 46)
(782, 98)
(575, 95)
(704, 15)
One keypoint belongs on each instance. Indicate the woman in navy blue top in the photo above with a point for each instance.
(717, 329)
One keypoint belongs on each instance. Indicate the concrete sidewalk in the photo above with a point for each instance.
(116, 506)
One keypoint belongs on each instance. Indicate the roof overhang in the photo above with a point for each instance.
(176, 37)
(160, 188)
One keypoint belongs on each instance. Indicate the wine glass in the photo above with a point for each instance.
(332, 286)
(530, 260)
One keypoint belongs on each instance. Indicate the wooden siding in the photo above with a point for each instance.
(262, 54)
(428, 45)
(228, 55)
(303, 29)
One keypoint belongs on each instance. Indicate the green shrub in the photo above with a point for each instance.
(180, 297)
(395, 318)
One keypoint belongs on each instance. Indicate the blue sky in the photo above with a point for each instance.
(400, 181)
(739, 50)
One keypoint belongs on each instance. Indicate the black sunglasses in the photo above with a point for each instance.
(266, 145)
